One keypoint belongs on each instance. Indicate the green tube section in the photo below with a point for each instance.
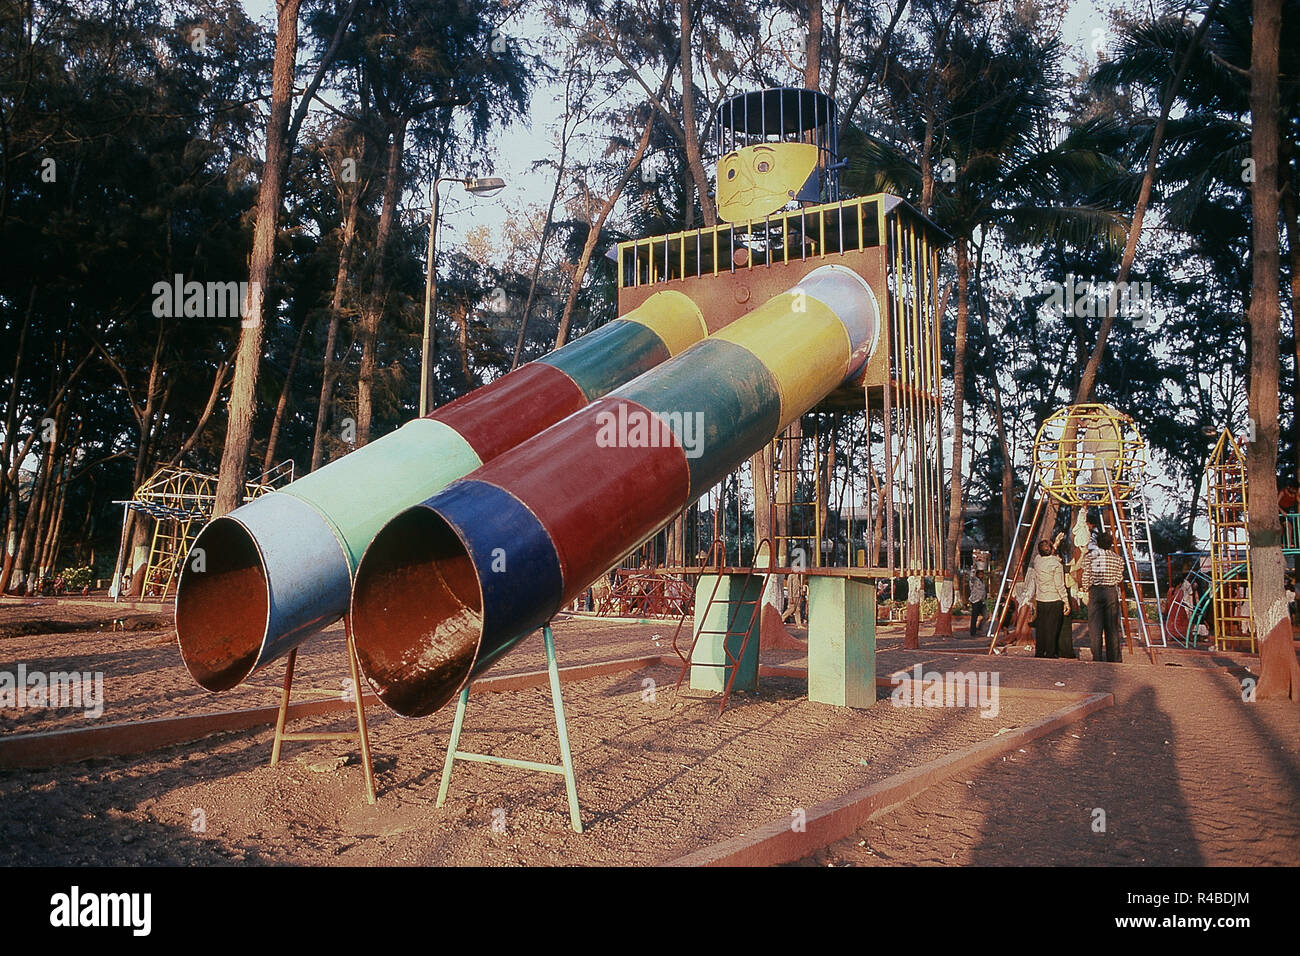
(421, 454)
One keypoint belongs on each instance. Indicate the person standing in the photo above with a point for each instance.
(1288, 498)
(1288, 502)
(1102, 577)
(1024, 610)
(1049, 590)
(977, 592)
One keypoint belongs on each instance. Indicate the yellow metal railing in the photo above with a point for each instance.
(908, 522)
(913, 403)
(811, 232)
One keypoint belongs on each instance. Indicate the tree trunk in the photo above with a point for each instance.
(546, 226)
(787, 453)
(812, 69)
(248, 356)
(53, 524)
(11, 540)
(1008, 472)
(593, 234)
(8, 441)
(138, 523)
(952, 543)
(1197, 475)
(24, 564)
(927, 164)
(1088, 379)
(375, 302)
(787, 488)
(282, 406)
(761, 467)
(692, 136)
(1279, 670)
(869, 74)
(330, 366)
(460, 316)
(675, 541)
(40, 511)
(139, 541)
(49, 551)
(1292, 219)
(827, 467)
(1000, 421)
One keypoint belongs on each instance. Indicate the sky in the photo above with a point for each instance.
(1083, 32)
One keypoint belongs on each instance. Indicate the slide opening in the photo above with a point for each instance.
(417, 613)
(221, 605)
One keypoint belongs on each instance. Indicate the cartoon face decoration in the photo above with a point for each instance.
(758, 180)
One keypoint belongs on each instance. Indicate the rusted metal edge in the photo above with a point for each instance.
(53, 747)
(790, 670)
(776, 842)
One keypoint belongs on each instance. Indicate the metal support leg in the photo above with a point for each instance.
(361, 734)
(445, 784)
(564, 768)
(282, 717)
(562, 730)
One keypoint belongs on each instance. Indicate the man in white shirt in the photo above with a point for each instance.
(1048, 576)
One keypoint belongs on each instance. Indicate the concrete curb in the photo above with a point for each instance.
(832, 820)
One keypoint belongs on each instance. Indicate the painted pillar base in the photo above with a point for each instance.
(912, 619)
(841, 642)
(708, 649)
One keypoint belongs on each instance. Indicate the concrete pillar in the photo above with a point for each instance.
(713, 621)
(842, 641)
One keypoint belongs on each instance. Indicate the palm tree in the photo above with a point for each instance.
(1207, 167)
(1239, 134)
(974, 137)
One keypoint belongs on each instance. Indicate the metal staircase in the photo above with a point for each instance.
(746, 633)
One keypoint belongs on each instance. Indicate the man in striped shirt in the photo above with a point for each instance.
(1102, 576)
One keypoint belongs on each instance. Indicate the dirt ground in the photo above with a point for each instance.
(1182, 769)
(1186, 772)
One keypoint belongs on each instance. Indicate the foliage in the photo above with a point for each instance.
(131, 153)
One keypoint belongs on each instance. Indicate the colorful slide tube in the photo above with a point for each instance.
(269, 574)
(450, 585)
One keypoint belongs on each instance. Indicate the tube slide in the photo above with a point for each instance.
(450, 585)
(271, 573)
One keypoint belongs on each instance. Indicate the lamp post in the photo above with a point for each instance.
(483, 186)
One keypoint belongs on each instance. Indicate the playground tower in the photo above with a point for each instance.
(782, 216)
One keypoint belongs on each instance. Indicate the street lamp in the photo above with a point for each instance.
(483, 186)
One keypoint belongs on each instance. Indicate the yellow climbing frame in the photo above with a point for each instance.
(1229, 545)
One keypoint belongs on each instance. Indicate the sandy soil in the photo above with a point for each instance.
(1186, 771)
(658, 775)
